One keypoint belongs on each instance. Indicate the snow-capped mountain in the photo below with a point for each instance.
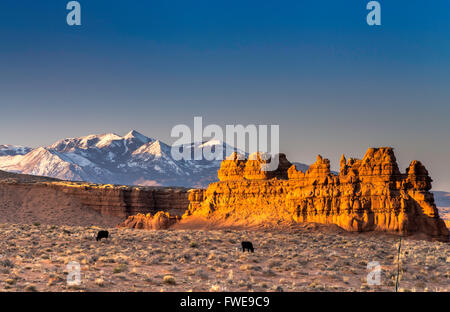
(132, 159)
(110, 158)
(11, 150)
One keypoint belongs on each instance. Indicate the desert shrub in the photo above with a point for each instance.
(120, 268)
(169, 279)
(6, 263)
(193, 245)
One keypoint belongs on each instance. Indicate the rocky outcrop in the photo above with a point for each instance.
(124, 201)
(160, 221)
(369, 194)
(29, 203)
(107, 200)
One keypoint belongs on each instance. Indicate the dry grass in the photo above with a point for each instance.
(36, 258)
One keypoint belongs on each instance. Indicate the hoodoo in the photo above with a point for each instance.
(369, 194)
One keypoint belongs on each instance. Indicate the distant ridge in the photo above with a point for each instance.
(24, 178)
(132, 159)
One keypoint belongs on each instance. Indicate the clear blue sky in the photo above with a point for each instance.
(330, 81)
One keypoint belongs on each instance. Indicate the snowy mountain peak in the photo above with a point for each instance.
(12, 150)
(85, 142)
(108, 142)
(107, 139)
(135, 135)
(156, 148)
(212, 143)
(159, 148)
(110, 158)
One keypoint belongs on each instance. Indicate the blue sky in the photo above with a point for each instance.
(332, 83)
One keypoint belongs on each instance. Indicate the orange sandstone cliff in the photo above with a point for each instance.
(369, 194)
(25, 198)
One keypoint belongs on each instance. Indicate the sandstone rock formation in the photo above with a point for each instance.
(160, 221)
(124, 201)
(369, 194)
(29, 199)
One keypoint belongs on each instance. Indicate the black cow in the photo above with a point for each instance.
(102, 234)
(247, 246)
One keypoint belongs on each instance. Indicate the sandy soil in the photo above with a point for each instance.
(308, 258)
(30, 204)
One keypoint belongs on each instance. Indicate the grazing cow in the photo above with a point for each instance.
(102, 234)
(247, 246)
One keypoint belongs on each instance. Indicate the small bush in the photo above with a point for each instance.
(193, 245)
(10, 281)
(169, 279)
(30, 288)
(6, 263)
(120, 268)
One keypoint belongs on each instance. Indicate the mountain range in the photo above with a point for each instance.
(132, 159)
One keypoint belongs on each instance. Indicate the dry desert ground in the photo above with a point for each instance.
(39, 257)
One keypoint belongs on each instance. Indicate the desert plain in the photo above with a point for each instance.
(309, 257)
